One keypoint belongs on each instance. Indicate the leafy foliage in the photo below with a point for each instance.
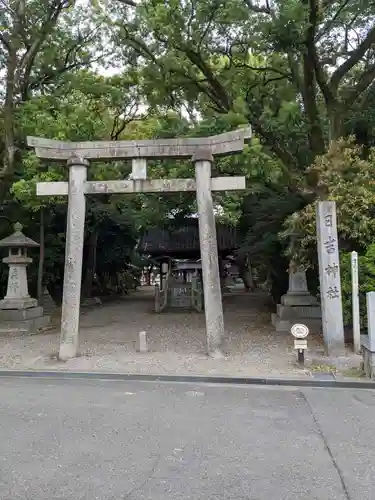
(345, 176)
(366, 279)
(300, 72)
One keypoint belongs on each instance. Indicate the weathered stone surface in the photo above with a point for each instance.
(24, 303)
(296, 311)
(17, 296)
(23, 322)
(143, 186)
(368, 341)
(213, 307)
(368, 357)
(297, 282)
(17, 287)
(223, 144)
(20, 315)
(329, 277)
(73, 260)
(290, 299)
(285, 325)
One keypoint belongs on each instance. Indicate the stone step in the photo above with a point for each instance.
(285, 325)
(298, 300)
(292, 312)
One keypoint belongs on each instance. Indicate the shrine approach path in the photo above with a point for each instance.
(176, 341)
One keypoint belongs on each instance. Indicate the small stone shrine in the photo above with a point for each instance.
(297, 305)
(19, 313)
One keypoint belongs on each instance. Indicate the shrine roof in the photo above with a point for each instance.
(183, 241)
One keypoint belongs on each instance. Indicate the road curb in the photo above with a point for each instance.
(339, 384)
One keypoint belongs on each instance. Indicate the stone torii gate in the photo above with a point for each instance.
(78, 154)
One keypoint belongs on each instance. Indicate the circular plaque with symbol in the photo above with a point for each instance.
(299, 331)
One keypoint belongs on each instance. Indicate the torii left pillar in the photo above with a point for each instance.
(75, 232)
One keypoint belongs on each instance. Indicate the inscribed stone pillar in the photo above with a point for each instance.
(329, 277)
(75, 229)
(213, 307)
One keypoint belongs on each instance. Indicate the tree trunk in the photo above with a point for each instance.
(8, 112)
(335, 123)
(41, 259)
(91, 264)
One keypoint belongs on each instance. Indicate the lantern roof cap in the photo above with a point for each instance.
(18, 239)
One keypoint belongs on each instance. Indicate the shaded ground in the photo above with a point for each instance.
(82, 440)
(176, 341)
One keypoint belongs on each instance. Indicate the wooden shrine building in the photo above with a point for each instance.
(177, 251)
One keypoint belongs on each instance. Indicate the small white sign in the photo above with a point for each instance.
(300, 344)
(299, 331)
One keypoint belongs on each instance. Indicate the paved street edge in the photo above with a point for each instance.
(269, 381)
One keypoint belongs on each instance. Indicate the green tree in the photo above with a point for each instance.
(293, 68)
(347, 177)
(40, 42)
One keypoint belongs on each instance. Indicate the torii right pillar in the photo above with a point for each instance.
(213, 306)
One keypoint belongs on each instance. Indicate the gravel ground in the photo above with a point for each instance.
(176, 341)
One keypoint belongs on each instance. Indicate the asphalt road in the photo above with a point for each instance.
(80, 439)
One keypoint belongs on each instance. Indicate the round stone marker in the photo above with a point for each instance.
(299, 331)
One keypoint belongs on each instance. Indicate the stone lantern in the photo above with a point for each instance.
(18, 311)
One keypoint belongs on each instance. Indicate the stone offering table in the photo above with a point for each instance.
(19, 313)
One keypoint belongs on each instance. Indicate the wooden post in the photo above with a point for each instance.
(209, 255)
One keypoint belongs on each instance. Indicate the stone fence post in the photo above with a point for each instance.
(368, 341)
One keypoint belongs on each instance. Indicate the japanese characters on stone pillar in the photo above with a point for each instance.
(329, 277)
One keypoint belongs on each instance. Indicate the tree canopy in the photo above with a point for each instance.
(301, 72)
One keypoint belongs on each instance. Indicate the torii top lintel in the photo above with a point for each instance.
(219, 145)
